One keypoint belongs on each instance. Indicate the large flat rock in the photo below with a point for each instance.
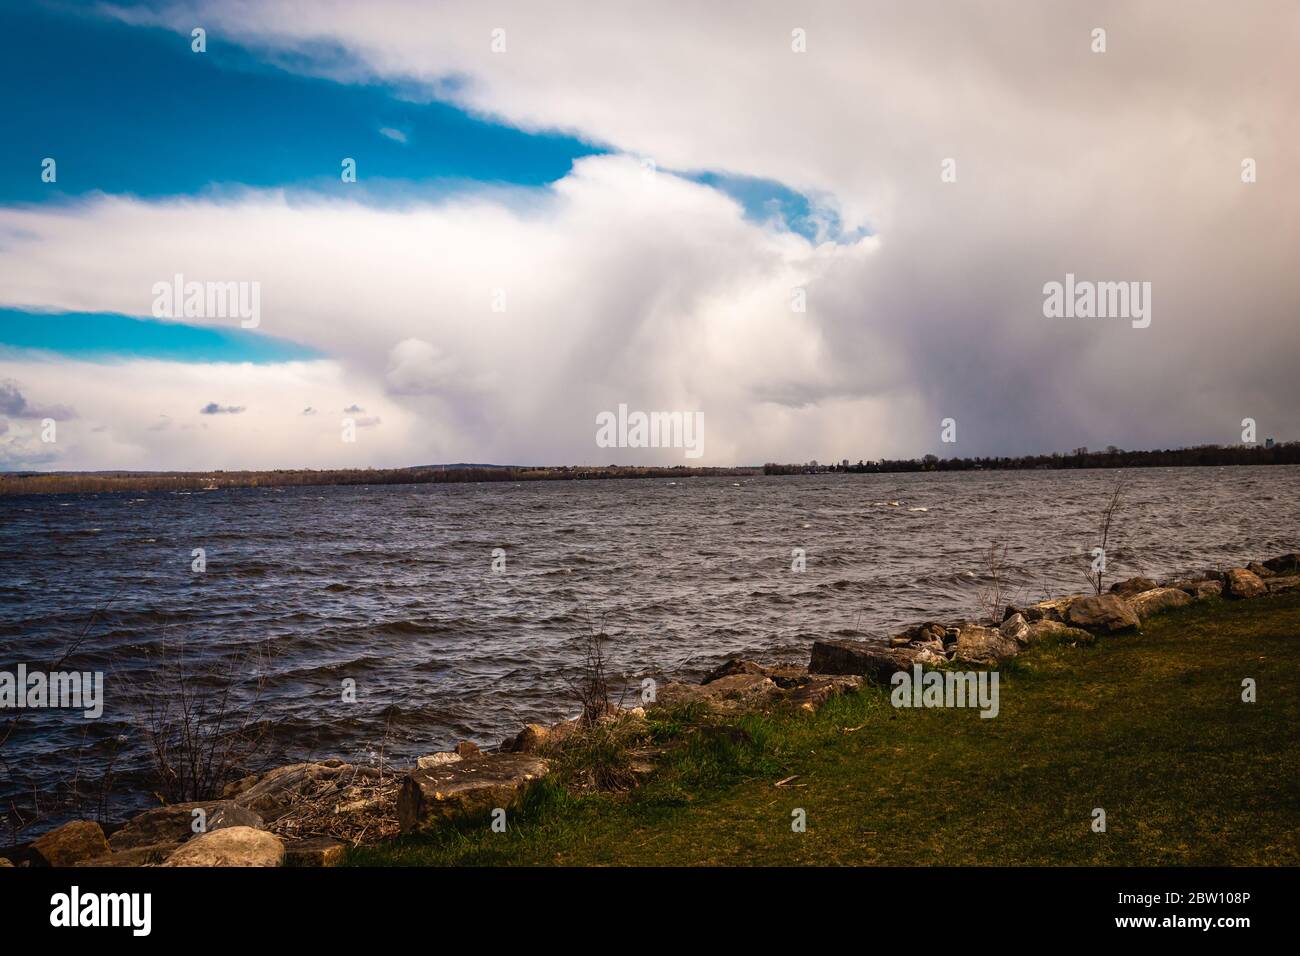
(735, 691)
(867, 660)
(432, 797)
(741, 685)
(819, 688)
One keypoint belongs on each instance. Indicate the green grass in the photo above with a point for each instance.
(1151, 727)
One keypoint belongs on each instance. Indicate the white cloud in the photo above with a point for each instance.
(418, 367)
(156, 423)
(614, 288)
(1123, 165)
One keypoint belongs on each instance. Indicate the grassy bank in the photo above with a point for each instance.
(1151, 727)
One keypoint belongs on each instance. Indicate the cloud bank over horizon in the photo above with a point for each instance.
(954, 160)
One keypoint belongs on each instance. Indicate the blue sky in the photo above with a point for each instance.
(131, 109)
(101, 336)
(125, 109)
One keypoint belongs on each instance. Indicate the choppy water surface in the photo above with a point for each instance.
(393, 586)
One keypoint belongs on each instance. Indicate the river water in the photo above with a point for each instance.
(393, 587)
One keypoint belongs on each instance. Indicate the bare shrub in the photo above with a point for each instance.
(1093, 570)
(607, 747)
(591, 685)
(992, 595)
(203, 724)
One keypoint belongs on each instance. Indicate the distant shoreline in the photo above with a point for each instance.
(55, 483)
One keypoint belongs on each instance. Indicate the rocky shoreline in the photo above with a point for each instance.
(309, 814)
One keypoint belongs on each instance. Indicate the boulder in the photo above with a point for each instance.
(530, 740)
(316, 851)
(1283, 582)
(1201, 589)
(71, 843)
(4, 861)
(1041, 630)
(136, 856)
(866, 659)
(1157, 600)
(1053, 610)
(1260, 570)
(433, 797)
(984, 646)
(1132, 586)
(741, 687)
(175, 823)
(1016, 628)
(1243, 584)
(1284, 564)
(733, 692)
(231, 846)
(821, 688)
(1101, 613)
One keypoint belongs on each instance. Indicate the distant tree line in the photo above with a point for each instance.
(42, 483)
(1285, 453)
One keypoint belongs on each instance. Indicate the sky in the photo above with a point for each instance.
(825, 229)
